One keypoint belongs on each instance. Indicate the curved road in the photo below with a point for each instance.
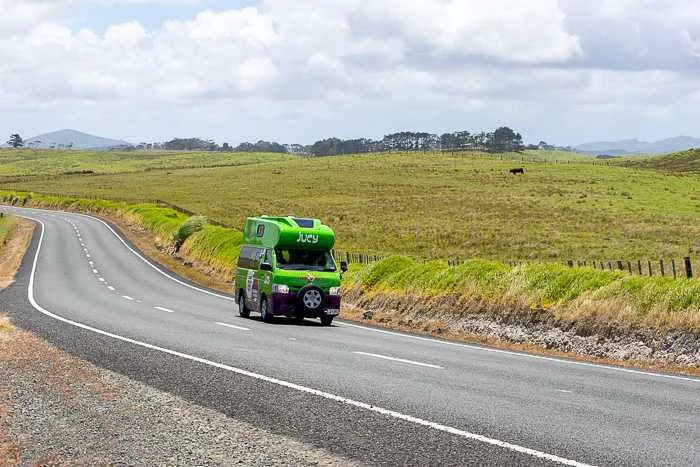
(373, 396)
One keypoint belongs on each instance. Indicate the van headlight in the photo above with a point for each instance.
(280, 288)
(335, 291)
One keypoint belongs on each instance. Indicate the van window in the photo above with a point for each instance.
(243, 257)
(304, 260)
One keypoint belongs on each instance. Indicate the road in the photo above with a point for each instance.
(378, 397)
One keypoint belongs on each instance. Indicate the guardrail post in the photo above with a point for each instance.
(688, 267)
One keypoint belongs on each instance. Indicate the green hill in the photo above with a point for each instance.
(681, 162)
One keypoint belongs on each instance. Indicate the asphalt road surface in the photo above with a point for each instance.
(379, 397)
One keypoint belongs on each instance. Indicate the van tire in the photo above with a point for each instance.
(265, 310)
(327, 320)
(243, 310)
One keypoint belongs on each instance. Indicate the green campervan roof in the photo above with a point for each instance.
(288, 232)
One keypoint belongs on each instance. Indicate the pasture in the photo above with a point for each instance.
(424, 205)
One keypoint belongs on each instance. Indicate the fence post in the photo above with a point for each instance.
(629, 266)
(688, 268)
(347, 257)
(610, 265)
(650, 271)
(639, 265)
(594, 265)
(673, 267)
(570, 263)
(620, 266)
(661, 265)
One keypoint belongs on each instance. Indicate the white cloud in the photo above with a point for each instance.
(292, 56)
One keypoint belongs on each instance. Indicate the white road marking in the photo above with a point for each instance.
(523, 355)
(564, 391)
(400, 360)
(82, 244)
(289, 385)
(87, 256)
(160, 308)
(126, 297)
(91, 263)
(292, 338)
(95, 271)
(240, 328)
(85, 250)
(111, 288)
(101, 279)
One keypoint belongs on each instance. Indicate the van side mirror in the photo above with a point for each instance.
(344, 266)
(266, 267)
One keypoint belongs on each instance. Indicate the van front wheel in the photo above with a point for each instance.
(326, 320)
(243, 310)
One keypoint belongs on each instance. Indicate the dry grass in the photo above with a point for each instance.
(12, 250)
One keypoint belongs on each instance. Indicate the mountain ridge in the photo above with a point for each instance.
(636, 146)
(73, 139)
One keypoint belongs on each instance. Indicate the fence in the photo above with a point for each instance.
(676, 269)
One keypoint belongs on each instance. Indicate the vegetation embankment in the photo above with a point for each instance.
(602, 314)
(429, 205)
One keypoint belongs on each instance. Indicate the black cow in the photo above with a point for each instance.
(517, 171)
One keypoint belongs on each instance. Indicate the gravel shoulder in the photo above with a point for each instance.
(59, 410)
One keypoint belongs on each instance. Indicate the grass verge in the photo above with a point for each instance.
(15, 235)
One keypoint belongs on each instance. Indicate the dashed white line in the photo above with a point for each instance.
(91, 263)
(111, 288)
(400, 360)
(95, 271)
(160, 308)
(102, 279)
(564, 391)
(87, 256)
(240, 328)
(126, 297)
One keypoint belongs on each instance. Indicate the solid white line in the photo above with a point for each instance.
(160, 308)
(240, 328)
(297, 387)
(518, 354)
(401, 360)
(126, 297)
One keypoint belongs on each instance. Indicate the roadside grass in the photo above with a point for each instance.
(6, 225)
(432, 206)
(587, 299)
(30, 163)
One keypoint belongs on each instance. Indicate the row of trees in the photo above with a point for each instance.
(503, 139)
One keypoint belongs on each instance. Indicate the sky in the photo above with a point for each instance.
(295, 71)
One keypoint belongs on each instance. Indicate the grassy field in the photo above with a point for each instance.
(25, 163)
(429, 205)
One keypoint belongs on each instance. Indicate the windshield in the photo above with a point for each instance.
(305, 260)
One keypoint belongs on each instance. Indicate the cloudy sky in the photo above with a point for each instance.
(565, 71)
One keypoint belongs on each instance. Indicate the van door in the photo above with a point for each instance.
(264, 278)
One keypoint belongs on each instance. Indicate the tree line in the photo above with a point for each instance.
(503, 139)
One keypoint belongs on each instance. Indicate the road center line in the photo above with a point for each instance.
(102, 279)
(160, 308)
(240, 328)
(126, 297)
(111, 288)
(400, 360)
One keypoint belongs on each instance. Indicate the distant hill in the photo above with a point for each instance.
(74, 139)
(635, 146)
(684, 162)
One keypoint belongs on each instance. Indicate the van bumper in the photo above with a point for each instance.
(285, 304)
